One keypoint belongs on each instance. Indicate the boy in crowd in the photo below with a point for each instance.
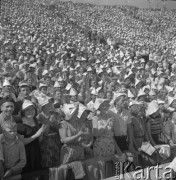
(13, 151)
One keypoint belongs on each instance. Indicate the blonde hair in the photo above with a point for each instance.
(8, 125)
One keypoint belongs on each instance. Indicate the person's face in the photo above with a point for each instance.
(120, 104)
(173, 105)
(29, 81)
(73, 98)
(93, 84)
(43, 90)
(48, 107)
(109, 96)
(29, 112)
(10, 133)
(8, 88)
(104, 107)
(101, 95)
(7, 108)
(48, 80)
(58, 94)
(25, 91)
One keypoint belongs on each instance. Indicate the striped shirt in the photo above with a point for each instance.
(156, 125)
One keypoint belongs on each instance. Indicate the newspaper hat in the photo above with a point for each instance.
(141, 93)
(42, 85)
(169, 89)
(152, 107)
(57, 84)
(170, 100)
(27, 104)
(6, 83)
(99, 102)
(130, 94)
(81, 110)
(73, 92)
(94, 92)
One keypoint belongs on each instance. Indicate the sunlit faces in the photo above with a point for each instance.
(24, 91)
(7, 108)
(109, 95)
(29, 112)
(10, 133)
(120, 103)
(43, 89)
(58, 94)
(8, 88)
(73, 98)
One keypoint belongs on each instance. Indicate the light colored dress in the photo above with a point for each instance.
(104, 145)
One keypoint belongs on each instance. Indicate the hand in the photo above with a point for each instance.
(81, 132)
(8, 173)
(171, 143)
(41, 130)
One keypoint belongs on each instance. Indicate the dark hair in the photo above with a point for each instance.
(6, 99)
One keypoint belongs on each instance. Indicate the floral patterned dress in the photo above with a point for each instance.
(72, 151)
(104, 145)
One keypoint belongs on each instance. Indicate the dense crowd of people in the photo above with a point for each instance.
(84, 87)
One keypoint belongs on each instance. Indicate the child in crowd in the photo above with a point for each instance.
(13, 151)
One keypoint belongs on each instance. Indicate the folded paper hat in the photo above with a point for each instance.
(152, 107)
(99, 102)
(73, 92)
(26, 104)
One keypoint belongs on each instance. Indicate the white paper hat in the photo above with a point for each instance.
(94, 92)
(137, 81)
(57, 84)
(170, 100)
(152, 107)
(26, 104)
(69, 110)
(141, 93)
(43, 101)
(98, 89)
(89, 69)
(81, 109)
(160, 101)
(60, 79)
(42, 85)
(6, 83)
(73, 92)
(130, 94)
(68, 87)
(45, 72)
(152, 93)
(169, 89)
